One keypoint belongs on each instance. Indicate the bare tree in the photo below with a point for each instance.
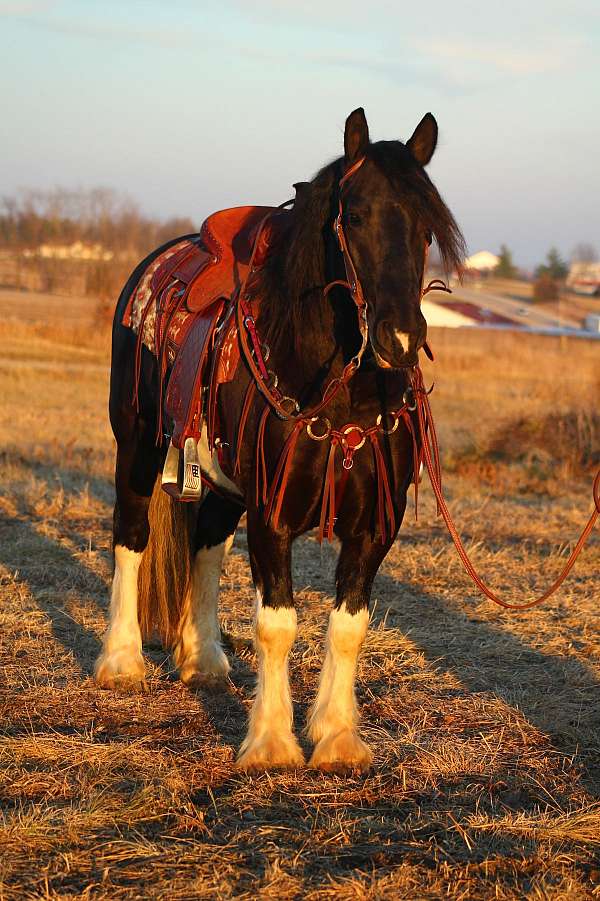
(584, 253)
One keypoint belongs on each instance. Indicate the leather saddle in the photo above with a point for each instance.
(181, 311)
(215, 262)
(228, 237)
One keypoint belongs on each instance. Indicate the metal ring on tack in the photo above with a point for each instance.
(380, 420)
(274, 378)
(355, 428)
(293, 401)
(325, 434)
(265, 350)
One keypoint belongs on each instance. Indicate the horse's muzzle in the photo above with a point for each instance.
(395, 349)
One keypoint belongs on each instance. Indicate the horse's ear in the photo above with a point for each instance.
(424, 139)
(356, 136)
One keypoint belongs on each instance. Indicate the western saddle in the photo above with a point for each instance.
(182, 312)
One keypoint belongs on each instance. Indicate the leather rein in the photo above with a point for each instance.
(352, 437)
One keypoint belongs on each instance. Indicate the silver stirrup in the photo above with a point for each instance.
(191, 486)
(170, 473)
(181, 478)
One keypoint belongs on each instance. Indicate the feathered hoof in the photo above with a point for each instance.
(121, 671)
(270, 752)
(208, 670)
(341, 753)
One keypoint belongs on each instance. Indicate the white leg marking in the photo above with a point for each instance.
(333, 719)
(121, 658)
(269, 741)
(199, 654)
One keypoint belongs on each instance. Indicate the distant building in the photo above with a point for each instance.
(584, 278)
(441, 315)
(482, 262)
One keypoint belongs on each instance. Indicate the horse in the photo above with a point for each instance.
(359, 231)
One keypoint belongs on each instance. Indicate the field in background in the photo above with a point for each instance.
(485, 724)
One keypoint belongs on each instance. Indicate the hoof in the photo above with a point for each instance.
(341, 753)
(122, 671)
(208, 669)
(270, 752)
(194, 679)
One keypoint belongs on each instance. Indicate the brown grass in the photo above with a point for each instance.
(485, 725)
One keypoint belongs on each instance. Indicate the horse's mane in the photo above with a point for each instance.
(293, 279)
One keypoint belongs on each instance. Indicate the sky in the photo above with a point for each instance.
(188, 106)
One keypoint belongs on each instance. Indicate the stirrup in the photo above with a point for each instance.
(170, 473)
(191, 484)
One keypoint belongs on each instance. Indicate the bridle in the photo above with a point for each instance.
(256, 353)
(352, 437)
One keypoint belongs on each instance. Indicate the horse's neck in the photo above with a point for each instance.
(321, 343)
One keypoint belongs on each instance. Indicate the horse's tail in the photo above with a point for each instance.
(165, 572)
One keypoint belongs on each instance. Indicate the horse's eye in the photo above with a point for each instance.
(354, 219)
(428, 237)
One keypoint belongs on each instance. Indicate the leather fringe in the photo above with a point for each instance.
(248, 399)
(282, 472)
(385, 505)
(328, 505)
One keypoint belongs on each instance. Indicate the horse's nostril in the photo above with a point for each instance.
(385, 335)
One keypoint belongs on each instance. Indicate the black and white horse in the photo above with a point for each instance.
(168, 556)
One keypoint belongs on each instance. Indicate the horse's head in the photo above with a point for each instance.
(390, 213)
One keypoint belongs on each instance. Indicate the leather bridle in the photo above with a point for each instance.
(255, 352)
(352, 437)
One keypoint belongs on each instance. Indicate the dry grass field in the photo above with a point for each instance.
(485, 724)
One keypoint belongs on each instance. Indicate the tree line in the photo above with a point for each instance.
(549, 275)
(554, 266)
(98, 216)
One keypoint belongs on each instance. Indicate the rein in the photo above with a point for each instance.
(430, 455)
(350, 438)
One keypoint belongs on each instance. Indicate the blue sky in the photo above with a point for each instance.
(192, 106)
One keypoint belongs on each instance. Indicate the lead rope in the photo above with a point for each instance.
(431, 455)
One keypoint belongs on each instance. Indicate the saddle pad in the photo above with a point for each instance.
(140, 312)
(183, 399)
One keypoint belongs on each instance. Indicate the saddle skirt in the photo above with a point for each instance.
(182, 311)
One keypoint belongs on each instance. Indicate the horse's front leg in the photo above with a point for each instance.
(270, 741)
(333, 720)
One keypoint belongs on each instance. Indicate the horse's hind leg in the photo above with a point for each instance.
(198, 653)
(270, 741)
(120, 663)
(333, 719)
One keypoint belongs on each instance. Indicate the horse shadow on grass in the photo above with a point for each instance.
(558, 695)
(53, 567)
(555, 693)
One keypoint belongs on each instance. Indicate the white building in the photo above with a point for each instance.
(483, 261)
(438, 315)
(584, 278)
